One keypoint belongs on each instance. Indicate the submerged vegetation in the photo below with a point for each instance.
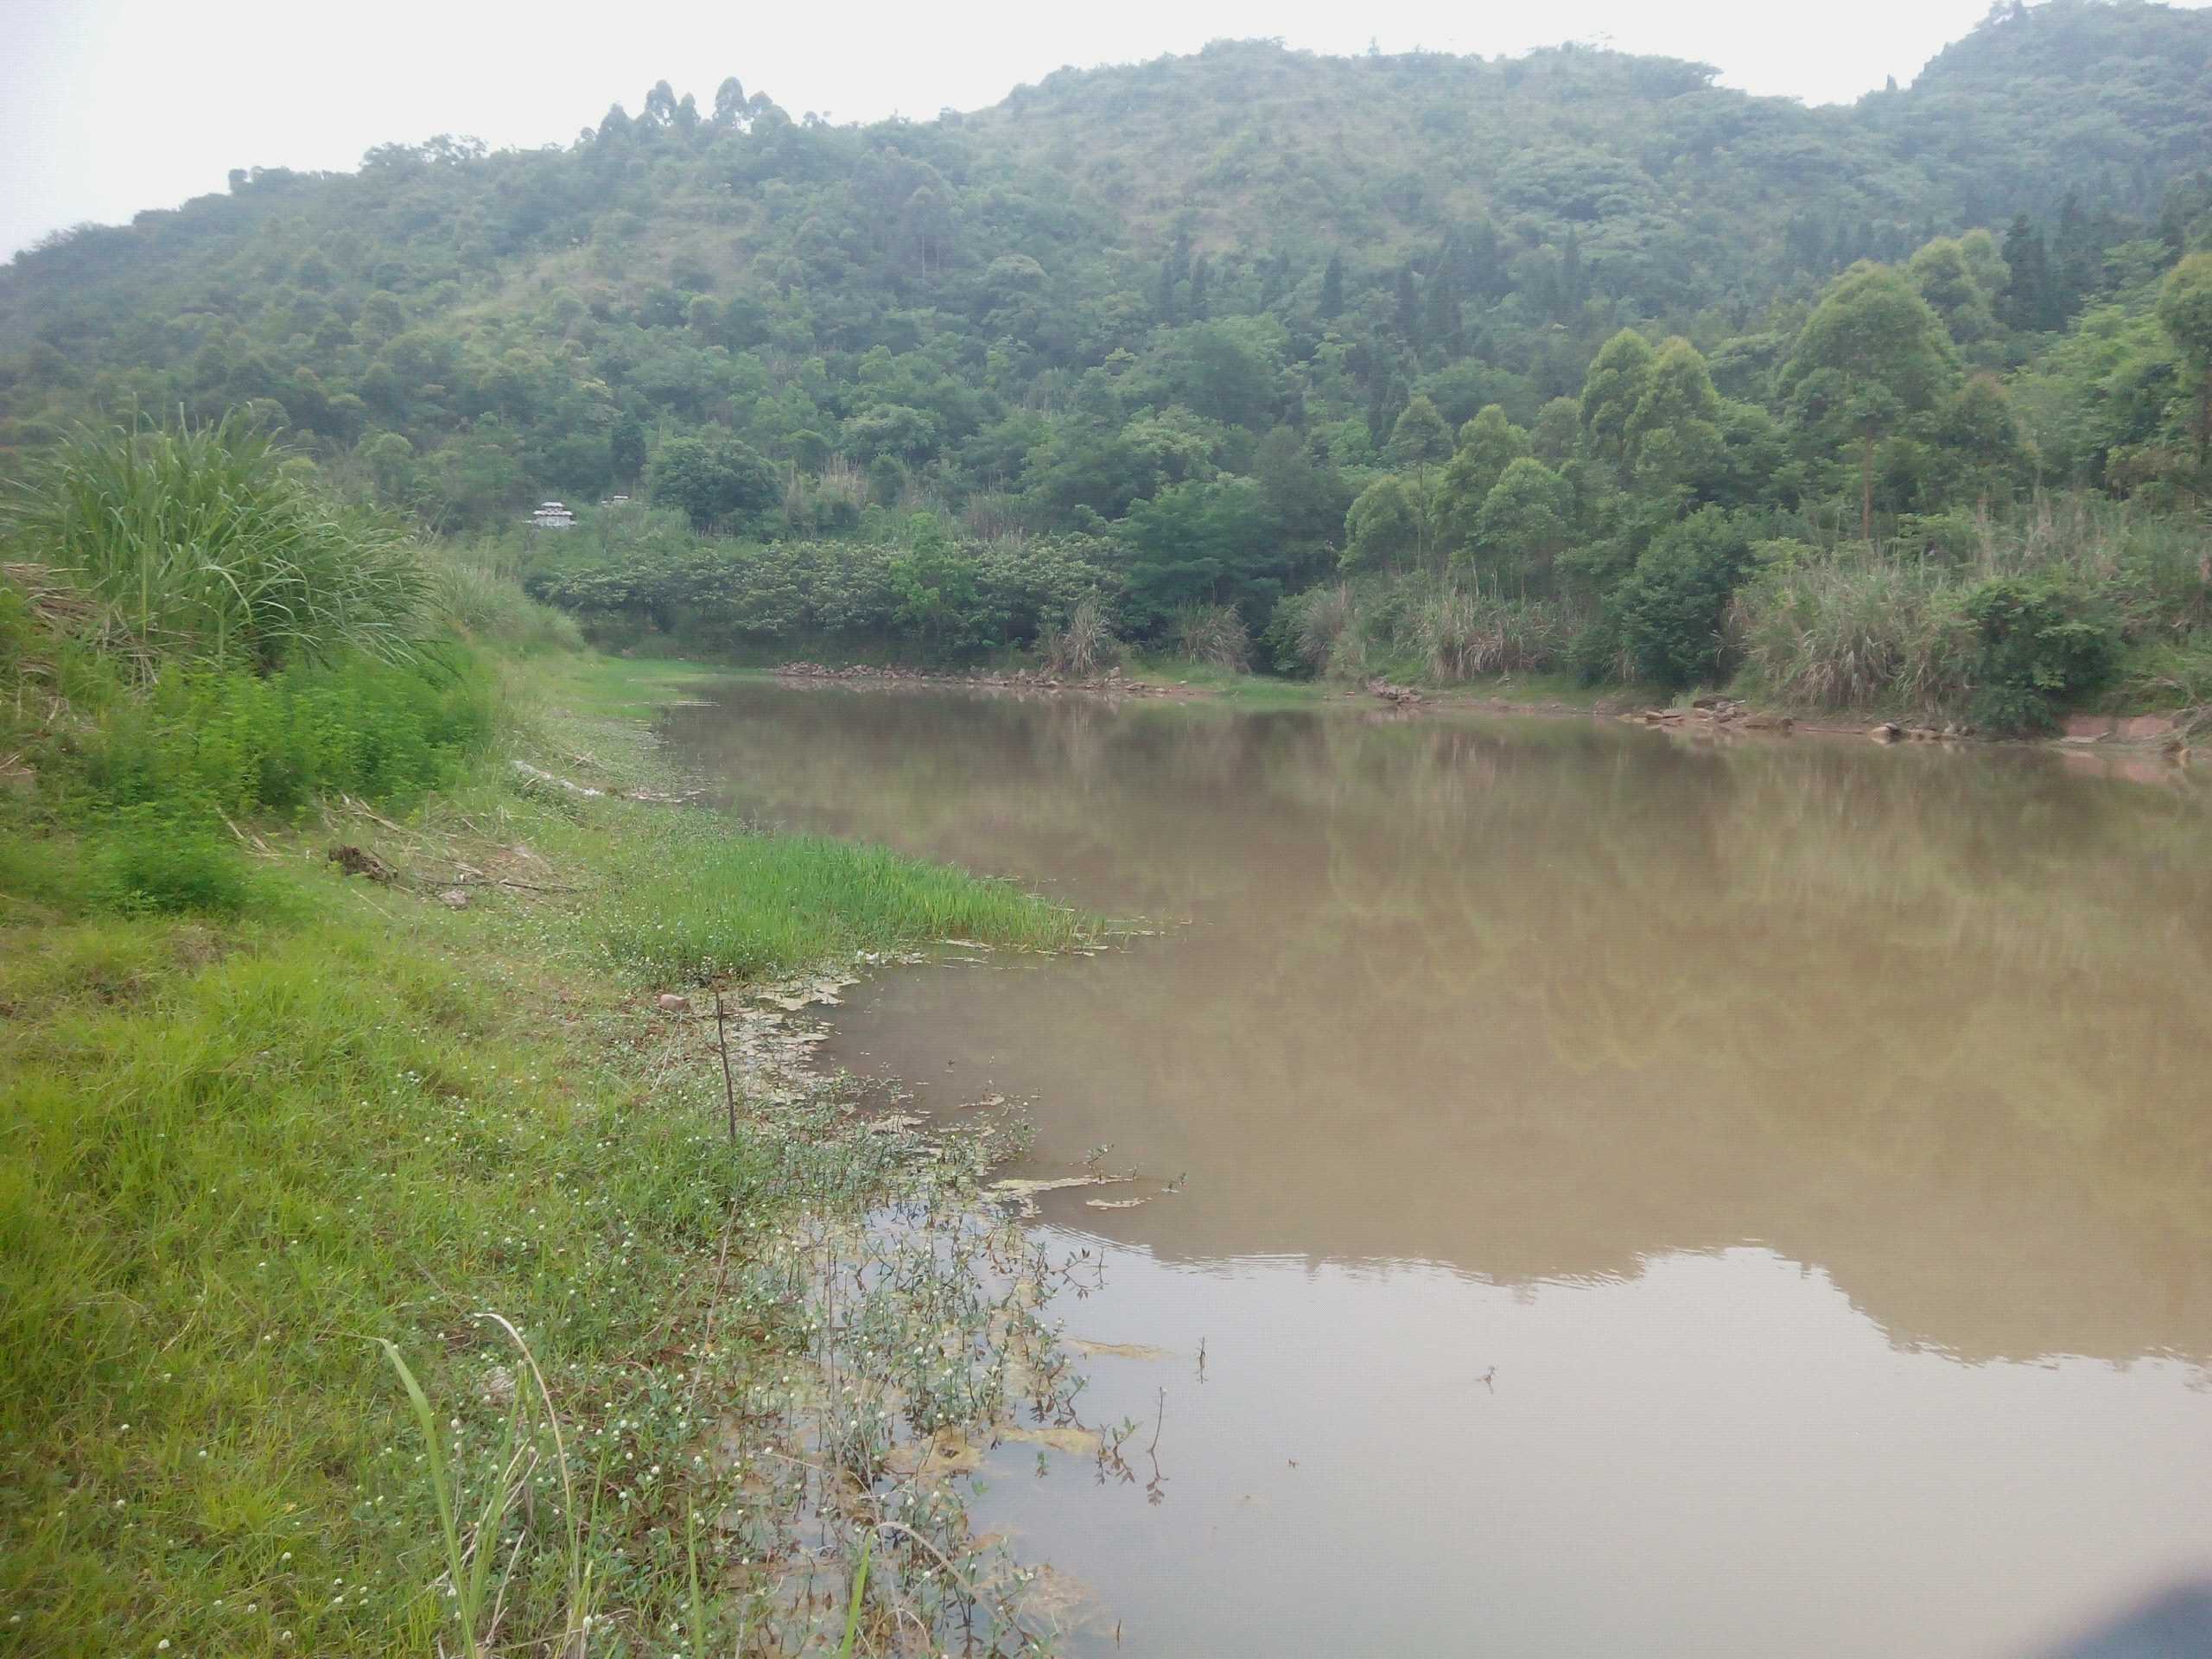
(386, 1269)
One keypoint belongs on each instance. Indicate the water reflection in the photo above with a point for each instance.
(1539, 1000)
(1817, 1139)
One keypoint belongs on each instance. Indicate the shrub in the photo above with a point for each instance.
(2037, 644)
(1672, 606)
(148, 866)
(1594, 655)
(478, 590)
(1902, 628)
(935, 599)
(1316, 631)
(208, 741)
(1852, 633)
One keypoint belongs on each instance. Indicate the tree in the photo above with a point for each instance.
(1558, 431)
(1488, 445)
(1613, 387)
(1524, 521)
(1200, 543)
(2031, 302)
(1419, 437)
(626, 449)
(1945, 280)
(730, 102)
(712, 478)
(1332, 290)
(1978, 430)
(886, 479)
(1673, 434)
(1987, 266)
(1872, 352)
(1443, 325)
(890, 430)
(1407, 309)
(2185, 312)
(1382, 527)
(1304, 495)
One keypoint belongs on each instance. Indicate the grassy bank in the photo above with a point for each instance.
(263, 1117)
(244, 1144)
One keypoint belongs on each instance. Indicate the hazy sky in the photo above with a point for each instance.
(109, 106)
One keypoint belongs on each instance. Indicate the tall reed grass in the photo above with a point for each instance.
(1889, 626)
(1086, 644)
(1214, 635)
(1462, 634)
(477, 588)
(190, 543)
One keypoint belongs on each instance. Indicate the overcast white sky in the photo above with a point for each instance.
(109, 106)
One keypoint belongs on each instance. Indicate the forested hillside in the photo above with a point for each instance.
(1570, 359)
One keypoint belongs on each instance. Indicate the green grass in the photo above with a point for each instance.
(698, 902)
(1228, 684)
(616, 688)
(248, 1133)
(234, 1155)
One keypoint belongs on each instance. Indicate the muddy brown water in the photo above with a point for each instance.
(1632, 1196)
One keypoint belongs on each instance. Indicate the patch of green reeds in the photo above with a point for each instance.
(477, 588)
(1214, 635)
(706, 902)
(1463, 633)
(186, 542)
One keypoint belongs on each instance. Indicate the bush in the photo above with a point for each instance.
(1903, 628)
(1317, 632)
(148, 866)
(478, 591)
(2038, 643)
(207, 742)
(1671, 608)
(1849, 633)
(934, 598)
(1594, 654)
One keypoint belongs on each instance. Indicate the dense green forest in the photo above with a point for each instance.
(1568, 362)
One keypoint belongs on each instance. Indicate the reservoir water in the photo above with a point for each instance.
(1602, 1193)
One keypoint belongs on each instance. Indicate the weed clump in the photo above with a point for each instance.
(149, 867)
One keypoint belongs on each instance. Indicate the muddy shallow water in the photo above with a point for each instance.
(1630, 1195)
